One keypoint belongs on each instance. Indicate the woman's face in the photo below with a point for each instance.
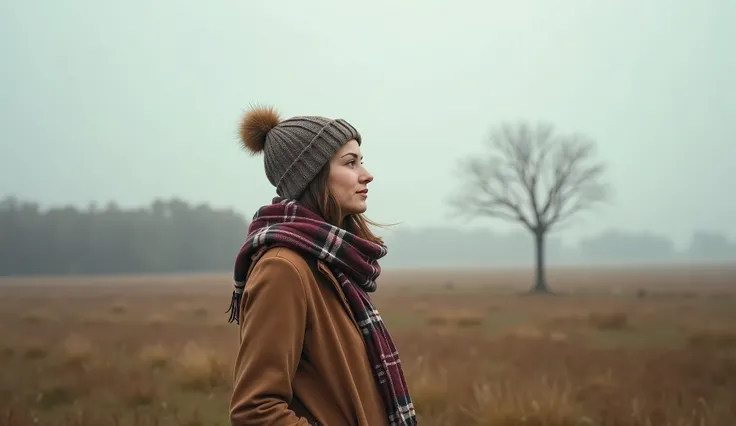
(348, 179)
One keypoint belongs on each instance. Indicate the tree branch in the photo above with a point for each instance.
(511, 179)
(490, 192)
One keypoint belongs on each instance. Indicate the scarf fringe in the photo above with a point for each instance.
(234, 308)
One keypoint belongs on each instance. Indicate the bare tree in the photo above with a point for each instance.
(532, 177)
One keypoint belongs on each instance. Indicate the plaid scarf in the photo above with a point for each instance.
(353, 261)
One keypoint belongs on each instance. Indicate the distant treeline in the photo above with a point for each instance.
(447, 247)
(167, 236)
(175, 236)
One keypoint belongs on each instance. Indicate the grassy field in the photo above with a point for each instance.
(623, 346)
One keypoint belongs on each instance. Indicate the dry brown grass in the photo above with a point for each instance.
(525, 331)
(199, 368)
(78, 350)
(457, 318)
(156, 356)
(36, 317)
(430, 388)
(716, 338)
(535, 404)
(119, 308)
(618, 348)
(158, 318)
(609, 320)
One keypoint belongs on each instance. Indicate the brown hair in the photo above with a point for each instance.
(317, 197)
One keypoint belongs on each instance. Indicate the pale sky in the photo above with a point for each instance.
(129, 101)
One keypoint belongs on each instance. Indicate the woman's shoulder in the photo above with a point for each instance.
(280, 257)
(285, 253)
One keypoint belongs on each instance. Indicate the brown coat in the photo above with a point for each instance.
(302, 360)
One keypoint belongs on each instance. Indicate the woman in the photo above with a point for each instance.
(313, 349)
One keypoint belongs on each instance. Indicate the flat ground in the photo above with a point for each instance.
(621, 346)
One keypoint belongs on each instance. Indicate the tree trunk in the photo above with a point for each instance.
(541, 281)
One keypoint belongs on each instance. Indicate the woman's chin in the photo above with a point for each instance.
(357, 207)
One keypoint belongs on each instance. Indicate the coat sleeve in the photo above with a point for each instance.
(272, 326)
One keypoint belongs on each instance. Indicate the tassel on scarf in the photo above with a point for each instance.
(235, 303)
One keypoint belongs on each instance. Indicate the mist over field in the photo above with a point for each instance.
(558, 177)
(174, 236)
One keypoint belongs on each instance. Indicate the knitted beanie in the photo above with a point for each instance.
(295, 149)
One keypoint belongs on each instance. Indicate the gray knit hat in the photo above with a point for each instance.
(295, 149)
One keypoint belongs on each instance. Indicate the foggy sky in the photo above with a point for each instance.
(129, 101)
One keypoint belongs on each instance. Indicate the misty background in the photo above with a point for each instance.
(107, 107)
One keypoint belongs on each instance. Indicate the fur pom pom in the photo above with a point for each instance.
(255, 127)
